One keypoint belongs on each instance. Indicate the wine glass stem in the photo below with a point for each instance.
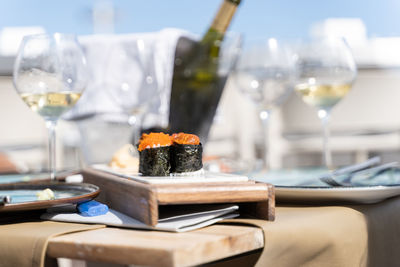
(325, 118)
(264, 116)
(51, 128)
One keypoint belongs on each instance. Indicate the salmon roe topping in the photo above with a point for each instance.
(185, 139)
(153, 140)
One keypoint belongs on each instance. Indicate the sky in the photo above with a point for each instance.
(254, 18)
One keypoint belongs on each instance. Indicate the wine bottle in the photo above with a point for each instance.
(196, 85)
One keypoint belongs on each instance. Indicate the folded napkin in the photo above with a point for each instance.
(310, 236)
(364, 235)
(367, 173)
(24, 244)
(370, 177)
(291, 177)
(174, 222)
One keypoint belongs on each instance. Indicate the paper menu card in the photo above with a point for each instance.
(186, 220)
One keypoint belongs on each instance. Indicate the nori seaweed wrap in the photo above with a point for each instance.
(154, 154)
(186, 158)
(186, 153)
(155, 161)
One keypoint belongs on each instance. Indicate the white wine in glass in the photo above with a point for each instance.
(51, 105)
(50, 75)
(322, 95)
(326, 71)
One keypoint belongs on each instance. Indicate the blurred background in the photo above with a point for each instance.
(365, 123)
(286, 18)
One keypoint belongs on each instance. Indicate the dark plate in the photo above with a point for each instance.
(23, 196)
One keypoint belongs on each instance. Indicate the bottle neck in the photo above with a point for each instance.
(211, 41)
(224, 16)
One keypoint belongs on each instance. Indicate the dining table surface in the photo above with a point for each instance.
(303, 233)
(335, 234)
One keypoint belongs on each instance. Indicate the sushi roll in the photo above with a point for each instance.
(186, 153)
(154, 154)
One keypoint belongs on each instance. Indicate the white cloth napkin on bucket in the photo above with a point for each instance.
(96, 97)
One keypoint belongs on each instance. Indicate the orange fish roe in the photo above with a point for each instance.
(152, 140)
(185, 139)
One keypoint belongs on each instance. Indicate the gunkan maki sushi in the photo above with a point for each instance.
(154, 154)
(186, 153)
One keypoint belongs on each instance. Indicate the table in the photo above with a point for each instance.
(336, 235)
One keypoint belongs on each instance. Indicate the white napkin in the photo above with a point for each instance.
(96, 98)
(184, 221)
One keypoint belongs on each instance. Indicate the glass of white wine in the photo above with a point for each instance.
(326, 72)
(50, 75)
(265, 73)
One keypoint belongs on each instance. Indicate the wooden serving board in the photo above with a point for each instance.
(145, 201)
(154, 248)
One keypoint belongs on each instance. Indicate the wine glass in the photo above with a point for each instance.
(50, 75)
(326, 70)
(265, 73)
(132, 82)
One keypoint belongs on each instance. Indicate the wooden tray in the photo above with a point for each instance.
(144, 201)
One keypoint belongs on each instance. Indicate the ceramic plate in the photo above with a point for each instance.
(356, 194)
(23, 196)
(303, 186)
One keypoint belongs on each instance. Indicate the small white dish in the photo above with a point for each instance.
(203, 177)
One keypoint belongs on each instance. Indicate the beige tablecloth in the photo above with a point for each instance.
(24, 244)
(364, 235)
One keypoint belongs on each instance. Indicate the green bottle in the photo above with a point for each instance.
(196, 85)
